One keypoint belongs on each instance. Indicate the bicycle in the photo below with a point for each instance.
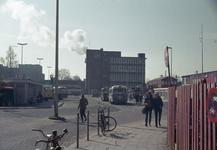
(106, 123)
(52, 140)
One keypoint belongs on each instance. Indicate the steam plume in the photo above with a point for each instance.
(31, 28)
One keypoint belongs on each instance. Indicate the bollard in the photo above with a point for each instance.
(108, 117)
(88, 125)
(98, 120)
(77, 130)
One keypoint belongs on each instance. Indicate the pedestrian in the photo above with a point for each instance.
(82, 105)
(137, 98)
(148, 108)
(140, 98)
(158, 104)
(39, 98)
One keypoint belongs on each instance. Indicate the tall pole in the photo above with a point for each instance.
(56, 62)
(142, 78)
(48, 71)
(22, 51)
(201, 40)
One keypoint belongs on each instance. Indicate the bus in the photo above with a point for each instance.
(47, 92)
(118, 94)
(104, 94)
(62, 92)
(94, 93)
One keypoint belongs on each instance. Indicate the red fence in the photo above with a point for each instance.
(189, 127)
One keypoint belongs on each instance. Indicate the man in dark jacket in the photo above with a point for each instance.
(82, 105)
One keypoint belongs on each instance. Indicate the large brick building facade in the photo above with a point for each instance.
(108, 68)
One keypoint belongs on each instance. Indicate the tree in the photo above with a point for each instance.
(64, 74)
(10, 59)
(76, 78)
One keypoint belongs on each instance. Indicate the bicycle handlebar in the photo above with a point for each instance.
(50, 139)
(41, 132)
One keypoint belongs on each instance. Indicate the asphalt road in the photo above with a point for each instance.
(16, 124)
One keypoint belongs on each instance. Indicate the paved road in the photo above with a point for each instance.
(16, 124)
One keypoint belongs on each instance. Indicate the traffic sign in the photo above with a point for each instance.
(166, 57)
(211, 105)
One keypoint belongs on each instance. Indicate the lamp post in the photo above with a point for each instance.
(40, 60)
(22, 51)
(49, 71)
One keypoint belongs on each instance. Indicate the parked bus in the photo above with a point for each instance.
(62, 92)
(94, 93)
(47, 92)
(118, 94)
(104, 94)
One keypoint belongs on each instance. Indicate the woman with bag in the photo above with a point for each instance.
(148, 108)
(158, 104)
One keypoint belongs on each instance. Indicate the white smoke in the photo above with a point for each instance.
(74, 41)
(31, 28)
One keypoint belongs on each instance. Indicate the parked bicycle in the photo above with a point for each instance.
(106, 123)
(52, 140)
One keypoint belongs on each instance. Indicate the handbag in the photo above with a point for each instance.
(143, 110)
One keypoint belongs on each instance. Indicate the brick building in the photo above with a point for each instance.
(162, 82)
(108, 68)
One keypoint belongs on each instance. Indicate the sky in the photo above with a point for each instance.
(129, 26)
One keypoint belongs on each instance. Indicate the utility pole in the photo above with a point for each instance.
(49, 71)
(201, 40)
(22, 51)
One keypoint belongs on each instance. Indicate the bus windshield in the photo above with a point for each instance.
(48, 89)
(119, 90)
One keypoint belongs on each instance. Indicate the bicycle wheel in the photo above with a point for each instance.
(102, 127)
(111, 123)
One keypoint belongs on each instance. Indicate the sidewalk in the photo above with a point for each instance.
(132, 136)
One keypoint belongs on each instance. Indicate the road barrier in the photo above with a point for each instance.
(188, 124)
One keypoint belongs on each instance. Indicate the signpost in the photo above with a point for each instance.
(211, 105)
(166, 59)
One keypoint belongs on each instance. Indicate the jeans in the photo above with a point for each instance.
(82, 113)
(157, 111)
(148, 112)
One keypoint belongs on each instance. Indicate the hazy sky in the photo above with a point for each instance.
(129, 26)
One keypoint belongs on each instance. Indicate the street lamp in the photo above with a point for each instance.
(22, 51)
(40, 60)
(49, 71)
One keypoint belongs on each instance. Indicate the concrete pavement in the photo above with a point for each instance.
(131, 136)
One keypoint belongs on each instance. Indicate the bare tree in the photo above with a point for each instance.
(76, 78)
(10, 59)
(64, 74)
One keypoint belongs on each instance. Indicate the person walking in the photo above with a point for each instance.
(140, 98)
(158, 104)
(148, 108)
(137, 98)
(82, 105)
